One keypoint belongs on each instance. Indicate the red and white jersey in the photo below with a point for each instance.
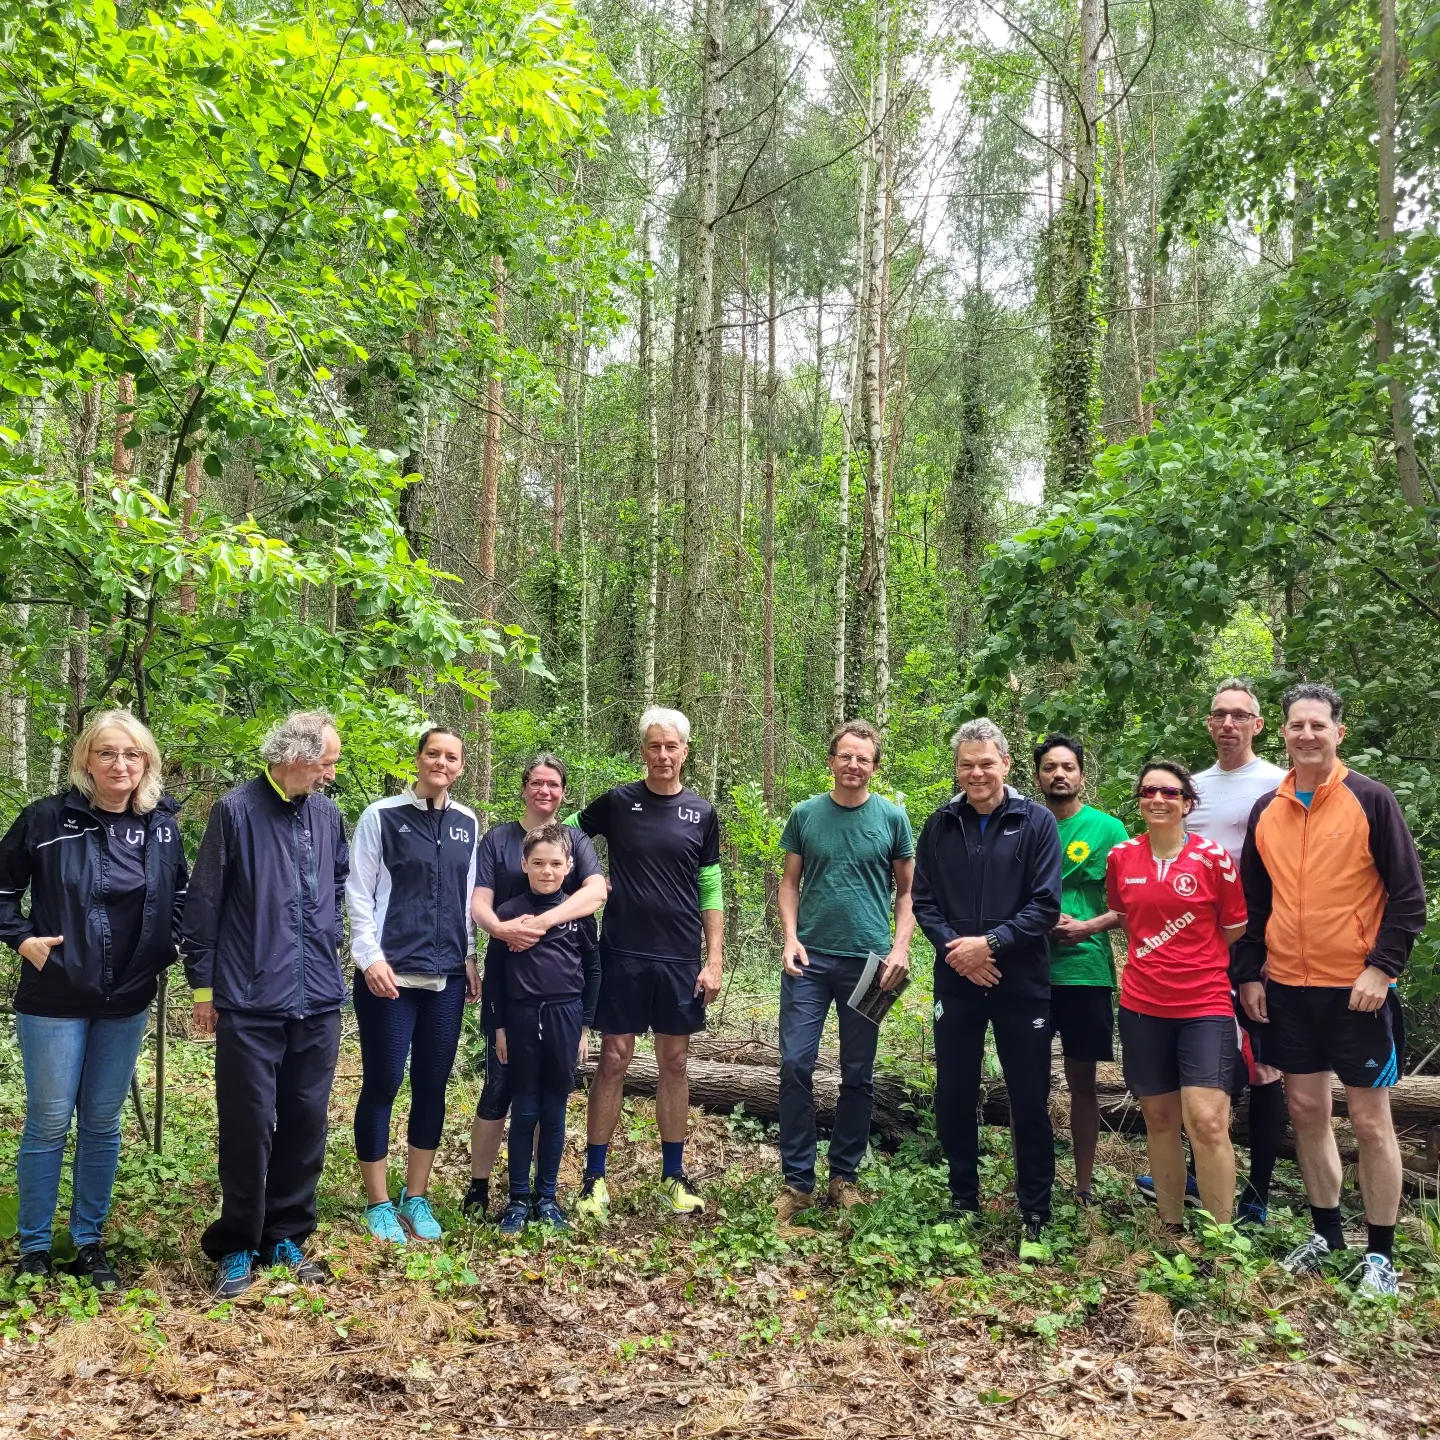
(1177, 961)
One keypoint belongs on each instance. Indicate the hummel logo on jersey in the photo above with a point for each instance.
(1371, 1065)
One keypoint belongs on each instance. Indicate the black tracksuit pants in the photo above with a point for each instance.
(272, 1098)
(1022, 1042)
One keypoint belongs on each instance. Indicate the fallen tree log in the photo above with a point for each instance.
(746, 1073)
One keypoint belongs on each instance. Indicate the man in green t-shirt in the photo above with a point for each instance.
(1082, 965)
(844, 850)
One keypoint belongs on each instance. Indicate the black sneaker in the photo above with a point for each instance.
(477, 1198)
(958, 1211)
(292, 1257)
(34, 1262)
(235, 1275)
(90, 1264)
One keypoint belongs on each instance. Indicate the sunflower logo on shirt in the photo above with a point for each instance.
(1077, 851)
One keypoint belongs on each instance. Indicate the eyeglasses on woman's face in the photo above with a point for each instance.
(128, 758)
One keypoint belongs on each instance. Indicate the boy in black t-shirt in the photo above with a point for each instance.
(549, 999)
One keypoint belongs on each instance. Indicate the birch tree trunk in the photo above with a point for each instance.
(874, 386)
(87, 437)
(699, 446)
(847, 442)
(193, 472)
(1402, 438)
(489, 519)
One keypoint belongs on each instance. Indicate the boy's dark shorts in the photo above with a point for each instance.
(542, 1044)
(639, 993)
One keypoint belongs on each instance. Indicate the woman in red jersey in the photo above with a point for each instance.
(1182, 904)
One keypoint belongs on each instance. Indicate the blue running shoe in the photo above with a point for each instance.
(383, 1223)
(515, 1218)
(1145, 1184)
(417, 1217)
(547, 1212)
(1247, 1212)
(237, 1274)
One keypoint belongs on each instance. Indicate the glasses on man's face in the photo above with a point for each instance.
(1167, 792)
(116, 757)
(1240, 717)
(846, 758)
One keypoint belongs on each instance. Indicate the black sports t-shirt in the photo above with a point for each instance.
(551, 968)
(497, 868)
(658, 846)
(124, 892)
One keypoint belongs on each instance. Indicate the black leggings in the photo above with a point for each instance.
(423, 1025)
(1267, 1130)
(1022, 1041)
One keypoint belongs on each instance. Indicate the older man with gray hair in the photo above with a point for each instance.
(261, 936)
(987, 895)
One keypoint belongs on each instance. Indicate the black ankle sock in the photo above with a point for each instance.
(479, 1191)
(1381, 1241)
(1326, 1220)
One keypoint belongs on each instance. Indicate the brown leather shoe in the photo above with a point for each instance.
(844, 1194)
(790, 1203)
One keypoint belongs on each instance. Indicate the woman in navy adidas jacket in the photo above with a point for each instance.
(412, 868)
(106, 875)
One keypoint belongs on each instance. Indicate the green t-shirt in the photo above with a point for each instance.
(846, 877)
(1086, 838)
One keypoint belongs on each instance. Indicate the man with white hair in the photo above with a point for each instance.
(665, 898)
(261, 936)
(987, 895)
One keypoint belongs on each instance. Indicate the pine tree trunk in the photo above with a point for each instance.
(1403, 439)
(699, 449)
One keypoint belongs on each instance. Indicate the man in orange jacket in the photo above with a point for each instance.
(1335, 901)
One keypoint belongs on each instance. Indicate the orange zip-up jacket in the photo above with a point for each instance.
(1331, 889)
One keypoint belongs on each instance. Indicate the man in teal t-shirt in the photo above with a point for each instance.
(1082, 965)
(844, 851)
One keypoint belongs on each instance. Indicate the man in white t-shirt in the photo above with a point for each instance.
(1228, 792)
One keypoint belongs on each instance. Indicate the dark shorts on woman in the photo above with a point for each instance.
(1161, 1055)
(1084, 1018)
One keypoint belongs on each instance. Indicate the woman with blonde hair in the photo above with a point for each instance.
(106, 874)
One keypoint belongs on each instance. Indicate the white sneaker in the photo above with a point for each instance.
(1378, 1279)
(1307, 1258)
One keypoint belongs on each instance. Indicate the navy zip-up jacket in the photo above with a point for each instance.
(263, 922)
(1005, 881)
(412, 868)
(59, 850)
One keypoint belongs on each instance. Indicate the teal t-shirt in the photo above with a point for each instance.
(846, 878)
(1086, 839)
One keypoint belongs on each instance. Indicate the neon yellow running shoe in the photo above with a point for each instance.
(593, 1201)
(681, 1197)
(1034, 1249)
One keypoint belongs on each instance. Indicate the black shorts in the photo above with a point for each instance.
(542, 1044)
(1084, 1018)
(639, 994)
(494, 1102)
(1312, 1028)
(1162, 1055)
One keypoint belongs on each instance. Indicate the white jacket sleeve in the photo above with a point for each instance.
(470, 952)
(362, 890)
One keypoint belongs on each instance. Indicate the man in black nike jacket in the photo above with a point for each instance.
(987, 894)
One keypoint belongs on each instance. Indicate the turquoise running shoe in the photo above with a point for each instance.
(383, 1223)
(417, 1217)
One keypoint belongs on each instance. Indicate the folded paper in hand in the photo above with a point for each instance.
(867, 998)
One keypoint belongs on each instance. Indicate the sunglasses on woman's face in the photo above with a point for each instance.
(1169, 792)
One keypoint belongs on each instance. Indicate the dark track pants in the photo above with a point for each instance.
(272, 1095)
(1022, 1042)
(542, 1039)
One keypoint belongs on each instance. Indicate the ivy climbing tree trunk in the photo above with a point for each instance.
(1402, 437)
(1074, 370)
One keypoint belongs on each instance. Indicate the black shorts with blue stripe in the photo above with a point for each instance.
(1312, 1029)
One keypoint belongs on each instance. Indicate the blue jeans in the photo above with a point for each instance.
(804, 1005)
(78, 1068)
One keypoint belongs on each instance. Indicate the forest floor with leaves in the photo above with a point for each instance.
(884, 1323)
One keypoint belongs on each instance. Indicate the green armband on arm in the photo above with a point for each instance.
(204, 996)
(712, 893)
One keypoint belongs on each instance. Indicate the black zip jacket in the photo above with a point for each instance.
(59, 849)
(263, 920)
(1005, 881)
